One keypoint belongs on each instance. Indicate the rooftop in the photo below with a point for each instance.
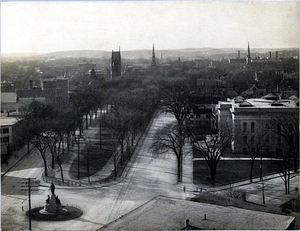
(164, 213)
(8, 97)
(264, 103)
(8, 121)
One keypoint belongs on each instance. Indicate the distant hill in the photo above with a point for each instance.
(188, 53)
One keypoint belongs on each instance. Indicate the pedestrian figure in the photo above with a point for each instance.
(184, 188)
(187, 224)
(6, 162)
(22, 206)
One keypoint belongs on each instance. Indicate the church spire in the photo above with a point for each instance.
(248, 56)
(153, 57)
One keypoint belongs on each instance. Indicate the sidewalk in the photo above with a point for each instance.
(14, 159)
(274, 190)
(105, 172)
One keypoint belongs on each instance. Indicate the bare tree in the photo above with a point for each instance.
(37, 125)
(177, 101)
(282, 165)
(118, 122)
(169, 139)
(288, 128)
(212, 147)
(255, 143)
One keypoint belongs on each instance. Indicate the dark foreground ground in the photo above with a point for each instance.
(230, 171)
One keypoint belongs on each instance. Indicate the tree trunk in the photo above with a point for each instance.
(251, 171)
(45, 166)
(180, 164)
(213, 171)
(91, 116)
(60, 164)
(122, 153)
(178, 169)
(86, 121)
(61, 173)
(115, 165)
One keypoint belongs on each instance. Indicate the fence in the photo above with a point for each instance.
(120, 169)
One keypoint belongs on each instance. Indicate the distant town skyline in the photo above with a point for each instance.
(43, 27)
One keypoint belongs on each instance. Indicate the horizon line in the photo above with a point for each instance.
(49, 52)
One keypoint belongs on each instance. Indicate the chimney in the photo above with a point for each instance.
(30, 84)
(276, 55)
(239, 54)
(270, 55)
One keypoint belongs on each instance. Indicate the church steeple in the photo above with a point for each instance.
(248, 56)
(153, 57)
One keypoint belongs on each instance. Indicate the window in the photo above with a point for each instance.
(252, 150)
(252, 126)
(245, 139)
(267, 150)
(5, 130)
(207, 116)
(5, 140)
(244, 150)
(244, 127)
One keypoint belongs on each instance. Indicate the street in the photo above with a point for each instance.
(147, 178)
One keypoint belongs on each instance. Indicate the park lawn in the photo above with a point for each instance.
(230, 171)
(97, 160)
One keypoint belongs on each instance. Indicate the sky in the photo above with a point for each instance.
(42, 27)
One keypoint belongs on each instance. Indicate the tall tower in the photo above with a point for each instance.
(116, 63)
(248, 56)
(153, 57)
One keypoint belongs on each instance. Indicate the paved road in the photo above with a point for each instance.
(150, 176)
(147, 178)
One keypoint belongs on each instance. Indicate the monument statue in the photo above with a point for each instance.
(52, 188)
(53, 204)
(48, 200)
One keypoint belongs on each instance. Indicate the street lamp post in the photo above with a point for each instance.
(78, 135)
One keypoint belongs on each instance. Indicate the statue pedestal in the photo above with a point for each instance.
(53, 207)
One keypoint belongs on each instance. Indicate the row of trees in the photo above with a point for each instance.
(47, 127)
(132, 102)
(176, 100)
(128, 105)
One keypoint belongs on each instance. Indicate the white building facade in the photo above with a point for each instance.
(249, 121)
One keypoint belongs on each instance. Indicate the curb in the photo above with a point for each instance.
(15, 163)
(117, 179)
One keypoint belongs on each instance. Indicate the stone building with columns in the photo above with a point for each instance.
(249, 121)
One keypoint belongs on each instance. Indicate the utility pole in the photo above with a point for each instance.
(29, 204)
(100, 132)
(27, 186)
(78, 155)
(263, 192)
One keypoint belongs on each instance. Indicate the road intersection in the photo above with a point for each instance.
(146, 177)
